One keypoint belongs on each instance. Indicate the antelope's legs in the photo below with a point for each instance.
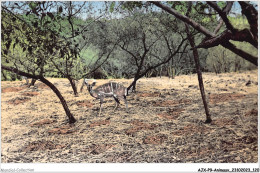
(101, 102)
(126, 106)
(27, 81)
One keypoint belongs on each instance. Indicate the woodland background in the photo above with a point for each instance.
(155, 50)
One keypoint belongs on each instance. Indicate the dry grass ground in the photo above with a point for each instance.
(164, 122)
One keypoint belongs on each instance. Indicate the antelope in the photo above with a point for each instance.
(111, 89)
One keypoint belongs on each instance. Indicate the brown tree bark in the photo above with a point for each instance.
(197, 63)
(62, 100)
(32, 83)
(73, 85)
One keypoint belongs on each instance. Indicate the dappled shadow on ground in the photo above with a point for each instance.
(41, 86)
(13, 89)
(43, 122)
(155, 139)
(18, 100)
(100, 148)
(99, 123)
(65, 129)
(171, 114)
(30, 94)
(165, 123)
(191, 129)
(168, 103)
(41, 145)
(151, 94)
(84, 103)
(137, 125)
(225, 97)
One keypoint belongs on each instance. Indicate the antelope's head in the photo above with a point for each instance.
(90, 85)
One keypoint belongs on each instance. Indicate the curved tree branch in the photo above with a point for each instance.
(226, 10)
(223, 15)
(252, 16)
(219, 26)
(243, 35)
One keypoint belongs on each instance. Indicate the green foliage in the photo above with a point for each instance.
(239, 22)
(112, 6)
(197, 10)
(133, 34)
(89, 55)
(221, 60)
(52, 44)
(221, 4)
(131, 5)
(180, 6)
(33, 5)
(37, 46)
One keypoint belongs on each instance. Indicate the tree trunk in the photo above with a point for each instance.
(32, 82)
(196, 59)
(62, 100)
(133, 85)
(73, 85)
(197, 63)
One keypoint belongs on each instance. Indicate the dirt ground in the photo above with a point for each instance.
(165, 122)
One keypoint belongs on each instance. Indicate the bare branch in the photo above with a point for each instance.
(129, 52)
(228, 7)
(168, 59)
(223, 15)
(219, 26)
(226, 10)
